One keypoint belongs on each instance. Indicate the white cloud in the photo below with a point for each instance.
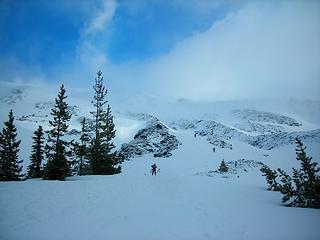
(265, 49)
(269, 49)
(101, 18)
(90, 51)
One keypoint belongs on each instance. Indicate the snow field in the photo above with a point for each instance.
(175, 204)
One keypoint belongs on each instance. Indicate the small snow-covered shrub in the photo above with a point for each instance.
(223, 167)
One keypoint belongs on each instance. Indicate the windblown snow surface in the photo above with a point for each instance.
(187, 199)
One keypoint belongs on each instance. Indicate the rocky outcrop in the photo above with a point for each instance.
(155, 138)
(268, 117)
(268, 136)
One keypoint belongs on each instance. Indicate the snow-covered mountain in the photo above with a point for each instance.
(154, 138)
(188, 199)
(150, 131)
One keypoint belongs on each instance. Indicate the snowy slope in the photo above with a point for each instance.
(187, 199)
(176, 204)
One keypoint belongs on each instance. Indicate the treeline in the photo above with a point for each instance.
(93, 154)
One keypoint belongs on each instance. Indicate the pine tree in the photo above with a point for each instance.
(81, 149)
(303, 188)
(102, 159)
(9, 149)
(286, 187)
(36, 158)
(308, 168)
(271, 177)
(2, 162)
(57, 167)
(306, 182)
(223, 167)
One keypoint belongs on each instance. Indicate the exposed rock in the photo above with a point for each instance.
(33, 118)
(48, 105)
(155, 138)
(16, 95)
(44, 105)
(73, 132)
(253, 127)
(185, 124)
(219, 134)
(220, 143)
(271, 141)
(261, 116)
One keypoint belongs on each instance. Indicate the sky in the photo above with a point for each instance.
(199, 50)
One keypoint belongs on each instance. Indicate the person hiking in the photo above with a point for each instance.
(154, 169)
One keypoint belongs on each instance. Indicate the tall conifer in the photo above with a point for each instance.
(81, 149)
(10, 166)
(103, 160)
(36, 157)
(57, 167)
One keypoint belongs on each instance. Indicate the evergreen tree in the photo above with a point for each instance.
(303, 188)
(306, 190)
(286, 187)
(309, 169)
(81, 149)
(271, 176)
(223, 167)
(9, 148)
(102, 159)
(57, 167)
(2, 162)
(34, 169)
